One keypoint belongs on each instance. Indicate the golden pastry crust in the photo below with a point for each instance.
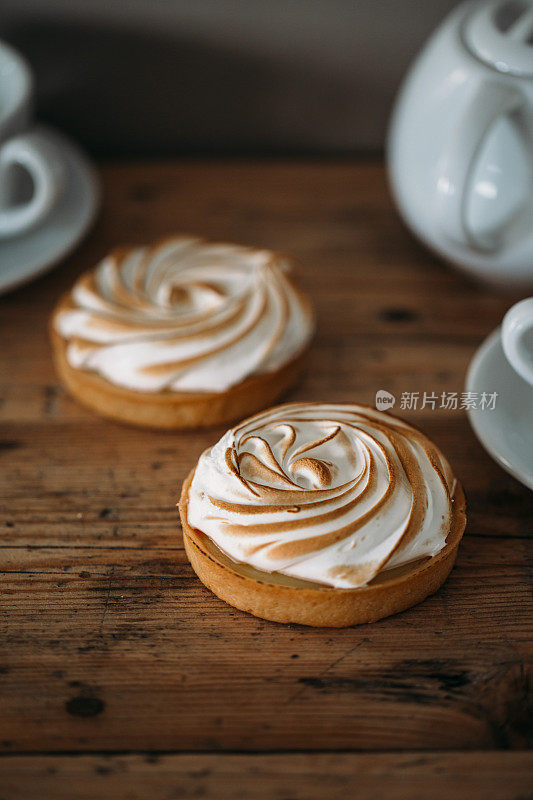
(172, 410)
(282, 599)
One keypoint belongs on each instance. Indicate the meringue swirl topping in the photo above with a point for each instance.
(185, 315)
(328, 493)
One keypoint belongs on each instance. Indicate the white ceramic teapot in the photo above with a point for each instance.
(460, 146)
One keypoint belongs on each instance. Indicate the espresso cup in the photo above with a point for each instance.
(24, 149)
(517, 338)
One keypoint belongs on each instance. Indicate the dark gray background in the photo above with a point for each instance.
(161, 77)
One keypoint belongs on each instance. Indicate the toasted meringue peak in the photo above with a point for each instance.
(329, 493)
(185, 315)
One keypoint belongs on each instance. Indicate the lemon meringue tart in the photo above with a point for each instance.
(322, 514)
(182, 334)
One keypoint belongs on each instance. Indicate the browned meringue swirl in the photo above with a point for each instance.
(329, 493)
(185, 315)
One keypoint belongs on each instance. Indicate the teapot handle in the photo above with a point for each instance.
(455, 168)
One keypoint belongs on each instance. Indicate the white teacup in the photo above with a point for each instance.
(517, 338)
(23, 148)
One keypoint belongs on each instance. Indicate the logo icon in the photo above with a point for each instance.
(384, 400)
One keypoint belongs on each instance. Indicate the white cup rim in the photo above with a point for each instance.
(516, 322)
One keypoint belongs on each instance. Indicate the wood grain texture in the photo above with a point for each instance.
(396, 776)
(109, 643)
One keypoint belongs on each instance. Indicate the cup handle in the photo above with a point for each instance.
(35, 153)
(455, 168)
(517, 323)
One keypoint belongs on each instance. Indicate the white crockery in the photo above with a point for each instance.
(517, 338)
(506, 432)
(23, 258)
(460, 146)
(24, 148)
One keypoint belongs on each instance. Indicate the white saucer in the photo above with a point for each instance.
(507, 431)
(28, 255)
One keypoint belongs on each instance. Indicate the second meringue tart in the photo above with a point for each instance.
(322, 514)
(182, 334)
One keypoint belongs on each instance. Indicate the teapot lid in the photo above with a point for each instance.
(500, 33)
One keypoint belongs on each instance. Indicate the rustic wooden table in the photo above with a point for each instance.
(121, 676)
